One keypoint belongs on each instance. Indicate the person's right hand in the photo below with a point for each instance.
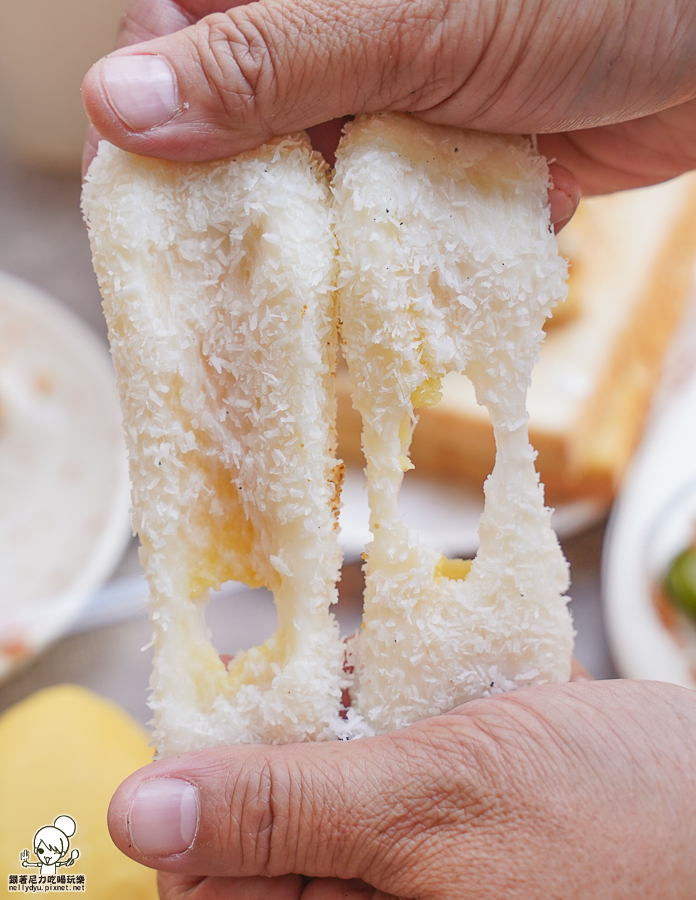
(609, 86)
(582, 791)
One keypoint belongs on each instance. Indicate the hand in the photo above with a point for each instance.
(24, 858)
(609, 86)
(573, 791)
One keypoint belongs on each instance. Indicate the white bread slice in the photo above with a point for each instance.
(217, 282)
(631, 273)
(448, 263)
(218, 285)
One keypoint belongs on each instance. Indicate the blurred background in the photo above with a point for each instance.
(63, 494)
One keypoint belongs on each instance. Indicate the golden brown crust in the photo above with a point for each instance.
(336, 482)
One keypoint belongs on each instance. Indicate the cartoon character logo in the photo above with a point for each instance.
(51, 843)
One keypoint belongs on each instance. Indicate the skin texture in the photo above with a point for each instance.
(584, 790)
(609, 84)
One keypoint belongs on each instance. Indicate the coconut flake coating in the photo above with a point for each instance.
(447, 262)
(218, 280)
(218, 283)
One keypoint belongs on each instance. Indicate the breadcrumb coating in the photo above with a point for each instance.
(218, 285)
(447, 262)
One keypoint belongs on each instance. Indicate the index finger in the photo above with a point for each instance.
(578, 672)
(148, 19)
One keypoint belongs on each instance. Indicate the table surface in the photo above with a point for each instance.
(42, 239)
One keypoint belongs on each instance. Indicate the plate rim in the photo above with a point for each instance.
(641, 645)
(91, 354)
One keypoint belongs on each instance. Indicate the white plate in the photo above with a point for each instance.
(652, 520)
(64, 492)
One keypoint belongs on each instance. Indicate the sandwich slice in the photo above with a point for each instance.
(448, 263)
(219, 284)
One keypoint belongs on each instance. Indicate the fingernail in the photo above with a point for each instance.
(163, 816)
(141, 90)
(562, 207)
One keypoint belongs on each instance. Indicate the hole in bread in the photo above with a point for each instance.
(239, 617)
(434, 500)
(445, 514)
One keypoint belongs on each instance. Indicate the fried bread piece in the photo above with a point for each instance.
(218, 282)
(218, 285)
(448, 263)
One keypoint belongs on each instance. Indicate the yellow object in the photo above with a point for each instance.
(63, 752)
(428, 394)
(456, 569)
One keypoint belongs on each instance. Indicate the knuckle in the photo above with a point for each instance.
(424, 53)
(255, 814)
(236, 54)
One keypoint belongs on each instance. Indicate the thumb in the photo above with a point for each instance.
(234, 79)
(341, 810)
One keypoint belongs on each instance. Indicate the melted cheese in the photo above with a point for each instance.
(456, 569)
